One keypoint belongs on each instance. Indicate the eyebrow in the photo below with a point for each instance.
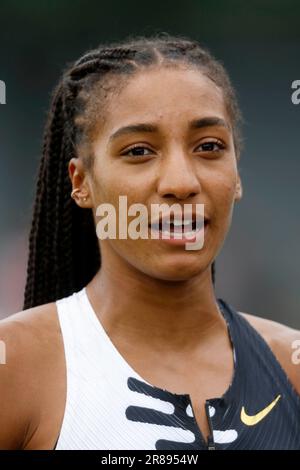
(148, 127)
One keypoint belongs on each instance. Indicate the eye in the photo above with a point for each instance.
(212, 146)
(137, 151)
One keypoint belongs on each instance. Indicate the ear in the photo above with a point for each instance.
(79, 180)
(238, 189)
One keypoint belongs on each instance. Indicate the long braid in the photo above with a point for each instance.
(63, 246)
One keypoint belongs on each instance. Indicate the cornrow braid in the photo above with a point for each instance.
(57, 265)
(63, 246)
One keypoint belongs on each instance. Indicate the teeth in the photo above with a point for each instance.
(182, 222)
(187, 222)
(167, 229)
(177, 223)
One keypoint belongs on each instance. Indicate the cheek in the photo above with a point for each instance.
(225, 193)
(222, 192)
(111, 181)
(106, 185)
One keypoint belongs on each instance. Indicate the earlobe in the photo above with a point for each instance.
(76, 194)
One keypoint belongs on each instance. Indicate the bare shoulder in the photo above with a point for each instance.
(30, 342)
(284, 343)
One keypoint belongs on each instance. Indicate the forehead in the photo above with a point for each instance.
(164, 95)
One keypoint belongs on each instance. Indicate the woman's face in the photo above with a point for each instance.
(174, 163)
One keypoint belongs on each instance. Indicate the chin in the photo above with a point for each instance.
(176, 269)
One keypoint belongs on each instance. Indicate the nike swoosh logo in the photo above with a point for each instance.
(252, 420)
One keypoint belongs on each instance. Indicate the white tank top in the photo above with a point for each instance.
(108, 405)
(111, 407)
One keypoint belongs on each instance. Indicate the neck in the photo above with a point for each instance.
(166, 314)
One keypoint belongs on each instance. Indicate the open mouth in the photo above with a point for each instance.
(178, 228)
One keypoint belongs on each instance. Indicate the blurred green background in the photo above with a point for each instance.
(258, 270)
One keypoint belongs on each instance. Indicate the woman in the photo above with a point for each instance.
(140, 354)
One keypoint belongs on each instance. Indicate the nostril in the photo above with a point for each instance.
(178, 196)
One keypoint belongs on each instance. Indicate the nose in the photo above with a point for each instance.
(178, 178)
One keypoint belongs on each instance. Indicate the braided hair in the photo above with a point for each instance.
(63, 246)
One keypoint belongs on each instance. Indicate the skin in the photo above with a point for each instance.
(149, 294)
